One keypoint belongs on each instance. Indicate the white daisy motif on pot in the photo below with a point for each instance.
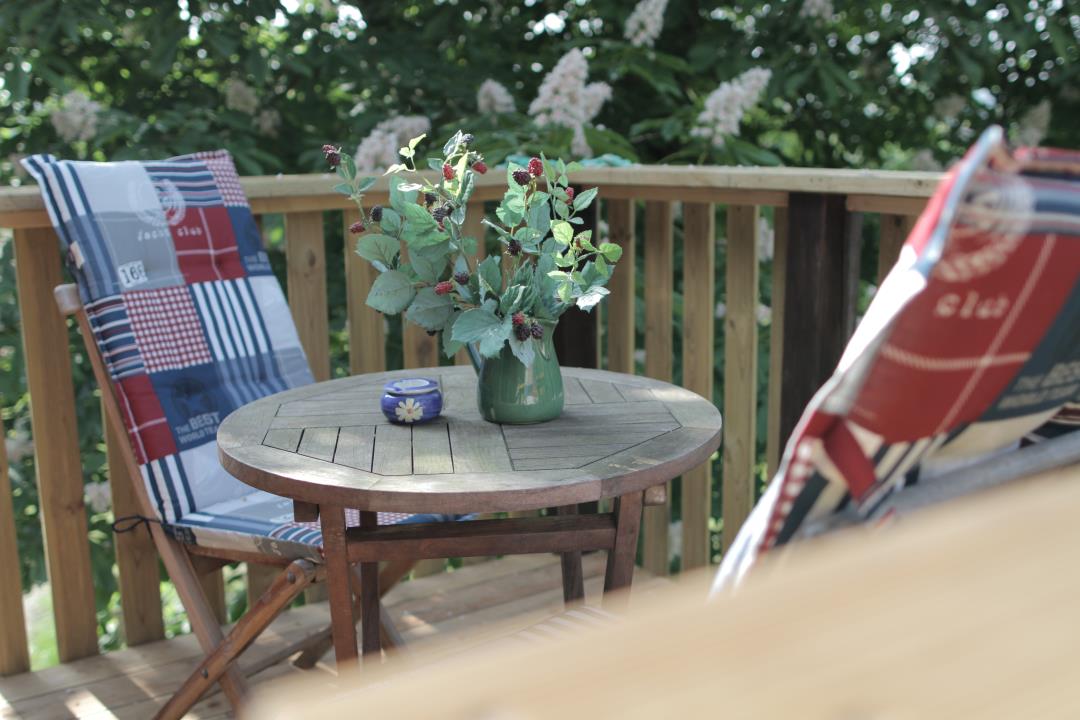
(409, 411)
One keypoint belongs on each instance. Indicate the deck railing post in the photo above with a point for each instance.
(14, 653)
(56, 443)
(620, 308)
(659, 307)
(740, 368)
(820, 293)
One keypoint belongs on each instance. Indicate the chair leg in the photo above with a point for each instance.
(290, 583)
(321, 642)
(204, 623)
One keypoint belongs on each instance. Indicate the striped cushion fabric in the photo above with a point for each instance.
(191, 323)
(971, 343)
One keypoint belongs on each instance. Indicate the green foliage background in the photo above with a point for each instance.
(864, 88)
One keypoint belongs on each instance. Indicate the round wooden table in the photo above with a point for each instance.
(329, 447)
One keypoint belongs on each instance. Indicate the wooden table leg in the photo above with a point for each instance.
(369, 597)
(339, 589)
(573, 579)
(620, 562)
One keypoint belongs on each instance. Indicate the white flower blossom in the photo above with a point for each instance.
(763, 314)
(380, 148)
(820, 9)
(766, 240)
(639, 356)
(726, 105)
(18, 446)
(721, 310)
(645, 23)
(409, 411)
(675, 539)
(924, 160)
(1034, 125)
(240, 96)
(949, 108)
(566, 100)
(76, 117)
(98, 496)
(267, 122)
(492, 98)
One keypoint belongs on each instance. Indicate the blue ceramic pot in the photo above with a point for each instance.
(411, 401)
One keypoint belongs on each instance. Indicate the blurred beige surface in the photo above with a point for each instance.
(964, 610)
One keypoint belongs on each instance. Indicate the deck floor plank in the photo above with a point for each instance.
(440, 614)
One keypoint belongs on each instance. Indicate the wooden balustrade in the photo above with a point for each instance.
(816, 216)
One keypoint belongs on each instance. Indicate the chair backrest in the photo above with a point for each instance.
(188, 318)
(971, 343)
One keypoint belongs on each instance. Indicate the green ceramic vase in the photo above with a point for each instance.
(509, 392)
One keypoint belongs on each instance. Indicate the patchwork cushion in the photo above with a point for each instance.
(191, 324)
(971, 343)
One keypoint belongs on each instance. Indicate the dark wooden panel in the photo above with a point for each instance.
(820, 291)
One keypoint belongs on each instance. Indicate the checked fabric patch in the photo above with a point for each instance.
(191, 324)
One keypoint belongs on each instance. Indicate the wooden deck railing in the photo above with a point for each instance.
(817, 216)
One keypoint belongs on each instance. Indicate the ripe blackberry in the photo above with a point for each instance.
(522, 177)
(536, 167)
(332, 154)
(439, 213)
(467, 139)
(376, 213)
(430, 198)
(537, 331)
(521, 332)
(513, 247)
(461, 278)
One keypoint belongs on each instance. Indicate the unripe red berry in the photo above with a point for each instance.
(536, 167)
(357, 227)
(479, 167)
(518, 318)
(444, 288)
(447, 171)
(569, 194)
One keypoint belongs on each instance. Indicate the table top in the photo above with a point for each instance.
(330, 443)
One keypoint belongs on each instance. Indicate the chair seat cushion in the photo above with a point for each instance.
(260, 522)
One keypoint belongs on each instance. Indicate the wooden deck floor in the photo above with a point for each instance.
(439, 614)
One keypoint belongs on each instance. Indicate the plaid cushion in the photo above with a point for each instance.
(191, 325)
(971, 343)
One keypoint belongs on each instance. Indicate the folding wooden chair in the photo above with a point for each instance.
(183, 322)
(970, 347)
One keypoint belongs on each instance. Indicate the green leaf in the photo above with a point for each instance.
(344, 188)
(420, 228)
(365, 184)
(429, 268)
(588, 300)
(391, 222)
(510, 302)
(523, 351)
(512, 208)
(539, 217)
(611, 251)
(348, 166)
(452, 143)
(584, 199)
(490, 272)
(430, 311)
(449, 345)
(563, 231)
(400, 199)
(374, 247)
(391, 292)
(469, 245)
(483, 326)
